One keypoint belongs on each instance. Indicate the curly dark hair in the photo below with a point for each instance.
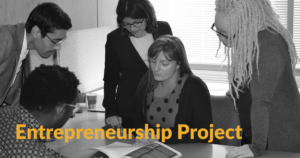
(47, 87)
(48, 17)
(136, 9)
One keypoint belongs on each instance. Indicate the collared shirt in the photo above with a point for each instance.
(10, 146)
(23, 55)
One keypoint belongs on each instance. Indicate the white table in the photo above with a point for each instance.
(94, 120)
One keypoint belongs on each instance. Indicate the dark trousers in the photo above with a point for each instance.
(244, 107)
(127, 122)
(243, 104)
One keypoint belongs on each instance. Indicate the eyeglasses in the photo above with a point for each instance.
(218, 33)
(135, 24)
(71, 105)
(56, 43)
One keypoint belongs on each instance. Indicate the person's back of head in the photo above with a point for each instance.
(48, 17)
(136, 9)
(46, 89)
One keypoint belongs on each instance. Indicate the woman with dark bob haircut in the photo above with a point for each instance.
(126, 59)
(169, 94)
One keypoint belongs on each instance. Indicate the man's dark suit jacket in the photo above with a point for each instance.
(123, 70)
(11, 41)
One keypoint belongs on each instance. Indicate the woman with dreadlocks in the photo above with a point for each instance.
(261, 58)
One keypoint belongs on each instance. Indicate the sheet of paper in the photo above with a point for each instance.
(124, 150)
(152, 150)
(116, 149)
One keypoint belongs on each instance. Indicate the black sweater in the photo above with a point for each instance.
(194, 110)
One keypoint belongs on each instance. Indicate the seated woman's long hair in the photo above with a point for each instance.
(173, 49)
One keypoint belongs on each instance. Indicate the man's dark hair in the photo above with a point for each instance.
(47, 87)
(48, 16)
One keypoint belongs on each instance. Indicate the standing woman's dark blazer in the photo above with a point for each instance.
(123, 70)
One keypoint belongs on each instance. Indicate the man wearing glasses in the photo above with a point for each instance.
(47, 99)
(44, 31)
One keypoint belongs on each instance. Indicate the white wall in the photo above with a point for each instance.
(84, 54)
(107, 15)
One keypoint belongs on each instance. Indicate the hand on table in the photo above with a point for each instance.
(145, 141)
(240, 152)
(114, 121)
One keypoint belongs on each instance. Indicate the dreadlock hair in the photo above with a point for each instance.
(47, 87)
(245, 19)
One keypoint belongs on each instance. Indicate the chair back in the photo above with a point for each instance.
(225, 116)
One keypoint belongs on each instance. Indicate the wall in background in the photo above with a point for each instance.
(84, 15)
(87, 51)
(107, 13)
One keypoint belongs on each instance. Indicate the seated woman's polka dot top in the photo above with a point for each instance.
(163, 110)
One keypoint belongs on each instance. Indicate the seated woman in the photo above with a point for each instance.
(169, 94)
